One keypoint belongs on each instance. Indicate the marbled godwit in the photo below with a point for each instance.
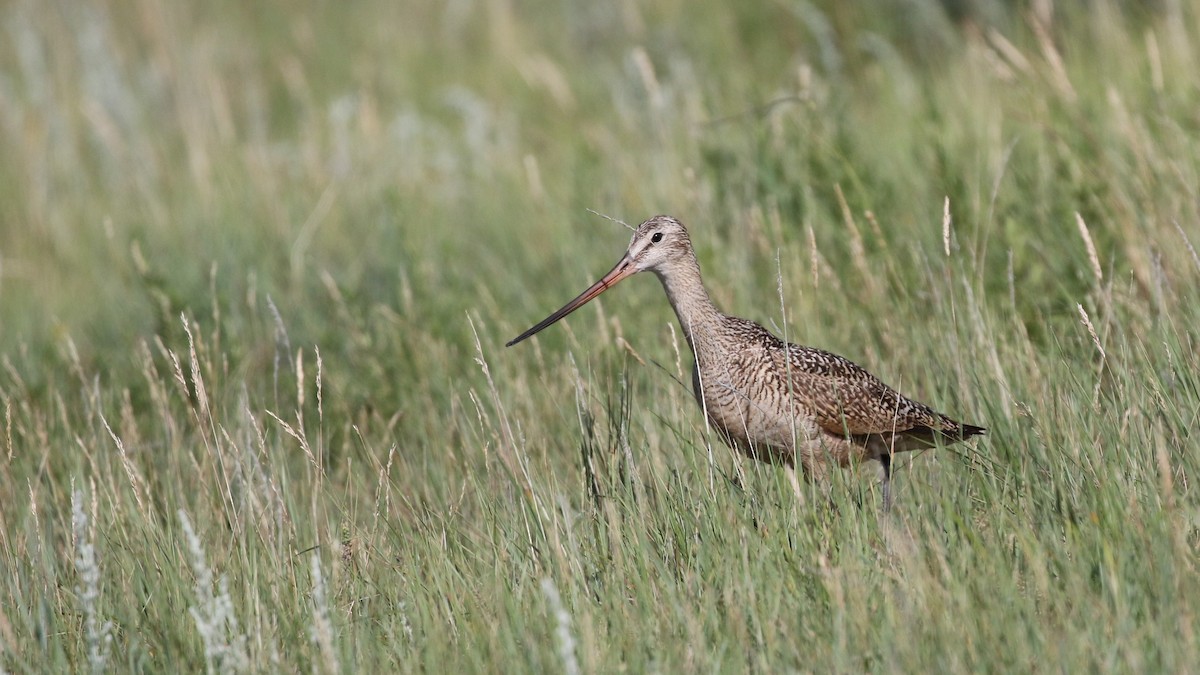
(774, 401)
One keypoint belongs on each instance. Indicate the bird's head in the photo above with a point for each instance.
(656, 244)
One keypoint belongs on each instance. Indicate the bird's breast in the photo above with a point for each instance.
(745, 406)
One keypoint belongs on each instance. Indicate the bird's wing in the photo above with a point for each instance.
(845, 399)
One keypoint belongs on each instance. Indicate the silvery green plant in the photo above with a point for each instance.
(224, 642)
(98, 632)
(322, 631)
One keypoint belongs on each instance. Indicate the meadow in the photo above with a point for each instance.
(258, 263)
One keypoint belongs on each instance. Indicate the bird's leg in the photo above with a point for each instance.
(886, 460)
(795, 481)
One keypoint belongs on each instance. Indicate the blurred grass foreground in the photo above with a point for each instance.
(258, 262)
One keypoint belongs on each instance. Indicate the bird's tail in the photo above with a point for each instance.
(965, 431)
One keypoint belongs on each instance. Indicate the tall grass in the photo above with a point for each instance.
(257, 265)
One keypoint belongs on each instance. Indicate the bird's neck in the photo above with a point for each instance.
(697, 315)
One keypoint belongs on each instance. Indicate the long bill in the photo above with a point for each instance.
(623, 269)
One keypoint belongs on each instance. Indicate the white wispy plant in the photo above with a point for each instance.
(97, 632)
(224, 642)
(322, 630)
(562, 620)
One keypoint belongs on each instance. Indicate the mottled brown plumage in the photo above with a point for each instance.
(774, 401)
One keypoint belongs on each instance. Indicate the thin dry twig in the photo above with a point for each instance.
(615, 220)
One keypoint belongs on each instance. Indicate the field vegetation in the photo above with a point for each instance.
(258, 262)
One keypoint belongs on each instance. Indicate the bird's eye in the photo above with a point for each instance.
(656, 238)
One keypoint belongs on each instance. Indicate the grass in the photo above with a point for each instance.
(257, 267)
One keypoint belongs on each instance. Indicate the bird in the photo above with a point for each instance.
(772, 400)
